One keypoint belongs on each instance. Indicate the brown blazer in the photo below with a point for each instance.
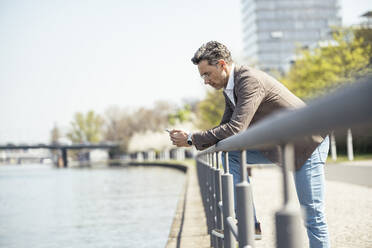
(257, 95)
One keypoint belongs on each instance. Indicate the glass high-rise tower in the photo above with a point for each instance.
(273, 29)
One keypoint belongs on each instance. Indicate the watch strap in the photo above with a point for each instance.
(189, 139)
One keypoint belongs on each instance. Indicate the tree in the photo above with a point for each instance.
(366, 35)
(181, 115)
(324, 68)
(86, 128)
(210, 110)
(161, 111)
(343, 60)
(55, 135)
(118, 128)
(121, 124)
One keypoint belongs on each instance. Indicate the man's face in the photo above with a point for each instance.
(214, 75)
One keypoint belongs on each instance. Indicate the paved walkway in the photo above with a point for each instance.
(356, 172)
(189, 229)
(348, 208)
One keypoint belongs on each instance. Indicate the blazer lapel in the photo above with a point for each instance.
(236, 81)
(231, 105)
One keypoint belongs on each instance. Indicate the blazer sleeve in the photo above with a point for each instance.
(250, 93)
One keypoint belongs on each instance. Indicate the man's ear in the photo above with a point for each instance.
(222, 62)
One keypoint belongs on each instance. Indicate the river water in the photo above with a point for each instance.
(41, 206)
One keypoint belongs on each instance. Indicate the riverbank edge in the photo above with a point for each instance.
(188, 228)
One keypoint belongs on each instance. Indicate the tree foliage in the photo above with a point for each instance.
(122, 124)
(210, 110)
(366, 35)
(118, 127)
(55, 135)
(181, 115)
(86, 128)
(153, 119)
(343, 60)
(324, 68)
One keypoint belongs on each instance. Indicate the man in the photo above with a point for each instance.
(250, 96)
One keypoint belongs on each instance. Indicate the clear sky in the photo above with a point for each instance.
(61, 57)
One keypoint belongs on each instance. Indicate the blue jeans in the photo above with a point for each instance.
(309, 182)
(253, 157)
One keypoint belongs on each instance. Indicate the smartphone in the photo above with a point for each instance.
(167, 130)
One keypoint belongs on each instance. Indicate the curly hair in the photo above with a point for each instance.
(212, 52)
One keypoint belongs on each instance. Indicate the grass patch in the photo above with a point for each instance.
(343, 158)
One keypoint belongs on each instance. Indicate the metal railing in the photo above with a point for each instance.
(347, 107)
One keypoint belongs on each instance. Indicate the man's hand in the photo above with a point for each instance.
(179, 138)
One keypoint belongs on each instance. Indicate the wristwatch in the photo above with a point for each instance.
(189, 139)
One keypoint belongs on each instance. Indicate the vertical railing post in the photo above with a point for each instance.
(205, 183)
(245, 214)
(203, 175)
(217, 190)
(213, 202)
(288, 234)
(333, 147)
(210, 203)
(228, 204)
(349, 141)
(64, 157)
(208, 196)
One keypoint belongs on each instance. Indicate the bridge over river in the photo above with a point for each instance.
(62, 148)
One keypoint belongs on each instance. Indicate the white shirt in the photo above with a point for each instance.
(229, 90)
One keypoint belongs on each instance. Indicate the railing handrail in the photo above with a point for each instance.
(345, 107)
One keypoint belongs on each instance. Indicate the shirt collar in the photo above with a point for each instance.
(230, 83)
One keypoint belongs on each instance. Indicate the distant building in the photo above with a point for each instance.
(272, 29)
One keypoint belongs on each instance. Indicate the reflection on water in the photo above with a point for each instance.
(113, 207)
